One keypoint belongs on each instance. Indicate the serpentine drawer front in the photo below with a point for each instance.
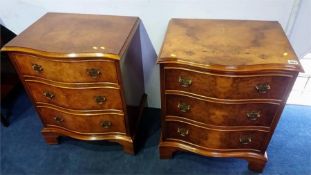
(83, 123)
(224, 84)
(219, 113)
(262, 86)
(213, 139)
(80, 82)
(91, 98)
(73, 71)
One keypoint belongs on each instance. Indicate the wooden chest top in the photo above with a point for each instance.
(76, 35)
(228, 45)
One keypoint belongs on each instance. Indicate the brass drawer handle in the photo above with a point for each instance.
(49, 95)
(100, 99)
(263, 88)
(184, 82)
(58, 119)
(94, 73)
(183, 132)
(37, 68)
(253, 115)
(183, 107)
(245, 140)
(106, 124)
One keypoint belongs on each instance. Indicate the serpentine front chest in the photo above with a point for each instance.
(224, 84)
(75, 68)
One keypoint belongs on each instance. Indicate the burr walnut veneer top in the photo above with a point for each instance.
(76, 35)
(228, 44)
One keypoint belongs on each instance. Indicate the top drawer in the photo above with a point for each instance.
(256, 86)
(71, 71)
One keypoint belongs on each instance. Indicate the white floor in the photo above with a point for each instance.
(301, 92)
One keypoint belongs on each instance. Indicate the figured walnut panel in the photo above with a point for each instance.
(214, 139)
(72, 67)
(219, 113)
(65, 33)
(83, 123)
(75, 97)
(224, 84)
(227, 87)
(230, 44)
(70, 71)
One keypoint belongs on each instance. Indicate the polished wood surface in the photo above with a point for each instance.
(77, 69)
(75, 35)
(214, 139)
(224, 84)
(83, 123)
(228, 44)
(71, 70)
(227, 86)
(217, 113)
(71, 97)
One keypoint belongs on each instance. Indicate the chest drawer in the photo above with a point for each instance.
(86, 98)
(214, 139)
(85, 123)
(221, 114)
(261, 86)
(71, 71)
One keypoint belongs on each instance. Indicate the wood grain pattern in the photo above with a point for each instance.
(214, 139)
(228, 44)
(216, 77)
(75, 35)
(70, 70)
(221, 114)
(256, 161)
(51, 136)
(82, 98)
(83, 122)
(70, 67)
(227, 87)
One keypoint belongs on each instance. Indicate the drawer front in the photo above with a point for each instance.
(221, 114)
(226, 87)
(86, 98)
(214, 139)
(85, 123)
(73, 71)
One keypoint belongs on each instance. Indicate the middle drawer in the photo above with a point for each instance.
(79, 98)
(221, 114)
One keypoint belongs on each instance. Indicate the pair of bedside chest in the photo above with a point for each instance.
(224, 83)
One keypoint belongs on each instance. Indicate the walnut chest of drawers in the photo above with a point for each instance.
(224, 84)
(84, 75)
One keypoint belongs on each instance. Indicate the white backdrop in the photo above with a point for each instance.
(300, 36)
(17, 15)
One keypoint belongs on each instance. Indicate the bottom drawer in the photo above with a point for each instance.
(83, 123)
(214, 139)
